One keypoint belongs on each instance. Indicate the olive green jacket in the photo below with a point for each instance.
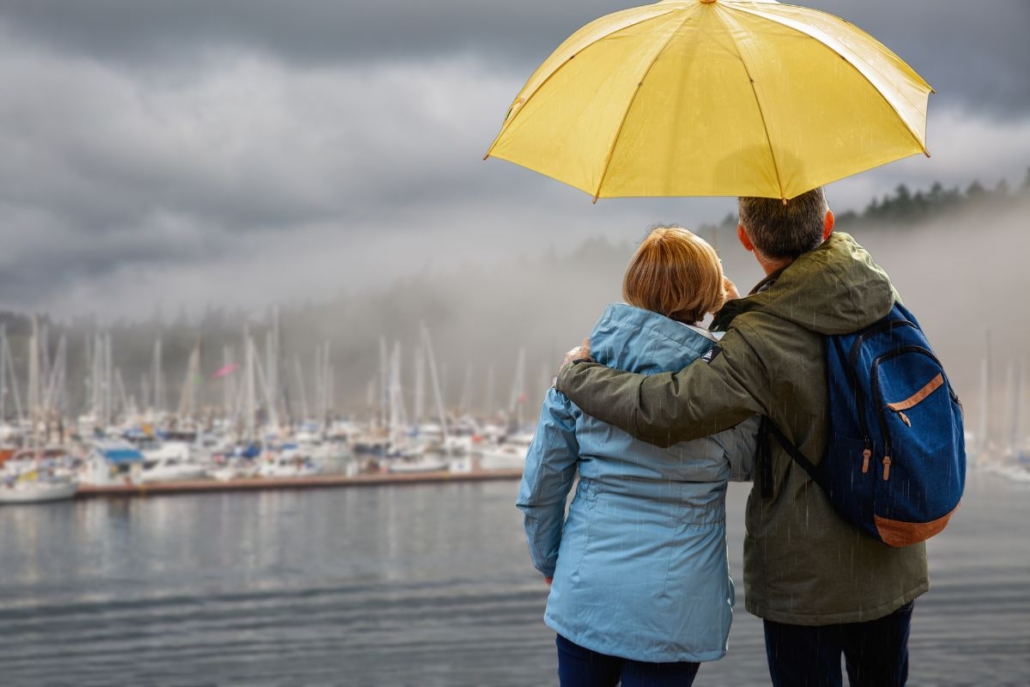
(803, 564)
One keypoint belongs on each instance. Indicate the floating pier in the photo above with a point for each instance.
(87, 491)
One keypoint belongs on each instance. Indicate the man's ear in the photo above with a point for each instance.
(828, 224)
(744, 240)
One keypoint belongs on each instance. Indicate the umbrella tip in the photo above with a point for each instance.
(784, 201)
(486, 157)
(927, 153)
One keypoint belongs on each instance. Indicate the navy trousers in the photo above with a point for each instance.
(579, 667)
(875, 652)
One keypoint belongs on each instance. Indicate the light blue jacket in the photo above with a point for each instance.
(640, 566)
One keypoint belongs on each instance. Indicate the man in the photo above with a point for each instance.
(822, 588)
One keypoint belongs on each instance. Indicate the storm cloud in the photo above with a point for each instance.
(251, 151)
(977, 56)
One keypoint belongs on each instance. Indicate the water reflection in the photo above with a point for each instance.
(427, 585)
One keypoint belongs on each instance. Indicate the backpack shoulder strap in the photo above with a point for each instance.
(793, 451)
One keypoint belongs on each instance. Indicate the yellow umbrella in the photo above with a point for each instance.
(715, 98)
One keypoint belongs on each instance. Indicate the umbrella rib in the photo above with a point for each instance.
(790, 24)
(629, 106)
(508, 119)
(758, 103)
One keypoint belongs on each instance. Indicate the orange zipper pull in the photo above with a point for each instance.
(904, 418)
(886, 468)
(866, 455)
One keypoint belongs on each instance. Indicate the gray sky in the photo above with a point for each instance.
(247, 151)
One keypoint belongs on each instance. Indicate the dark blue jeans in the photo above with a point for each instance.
(875, 652)
(579, 667)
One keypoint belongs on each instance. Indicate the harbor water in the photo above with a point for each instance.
(413, 585)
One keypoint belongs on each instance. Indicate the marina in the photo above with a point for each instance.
(244, 426)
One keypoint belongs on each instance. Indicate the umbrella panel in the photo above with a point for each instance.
(702, 101)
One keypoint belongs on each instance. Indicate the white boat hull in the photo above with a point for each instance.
(403, 467)
(503, 459)
(228, 474)
(178, 473)
(37, 492)
(280, 470)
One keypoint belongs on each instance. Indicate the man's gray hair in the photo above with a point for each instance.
(784, 231)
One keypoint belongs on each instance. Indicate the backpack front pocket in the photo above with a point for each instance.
(916, 482)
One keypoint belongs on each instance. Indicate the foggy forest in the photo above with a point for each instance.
(945, 249)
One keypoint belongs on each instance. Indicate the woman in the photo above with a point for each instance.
(641, 590)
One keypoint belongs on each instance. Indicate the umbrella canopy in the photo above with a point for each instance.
(715, 98)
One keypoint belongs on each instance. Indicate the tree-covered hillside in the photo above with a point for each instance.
(479, 316)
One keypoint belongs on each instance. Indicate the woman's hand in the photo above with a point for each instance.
(730, 289)
(580, 352)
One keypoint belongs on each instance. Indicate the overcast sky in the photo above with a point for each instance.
(248, 151)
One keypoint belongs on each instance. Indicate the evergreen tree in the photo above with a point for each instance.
(975, 191)
(904, 196)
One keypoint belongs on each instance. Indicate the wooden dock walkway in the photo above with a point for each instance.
(318, 482)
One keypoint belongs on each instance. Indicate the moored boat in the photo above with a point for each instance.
(510, 454)
(35, 488)
(422, 463)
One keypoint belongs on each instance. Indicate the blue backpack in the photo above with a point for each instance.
(895, 463)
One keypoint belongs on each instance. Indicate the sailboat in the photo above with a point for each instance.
(40, 483)
(509, 451)
(1017, 455)
(415, 458)
(35, 487)
(1010, 459)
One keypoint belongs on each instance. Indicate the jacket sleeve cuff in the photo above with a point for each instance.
(561, 384)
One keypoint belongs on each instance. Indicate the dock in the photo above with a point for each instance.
(266, 484)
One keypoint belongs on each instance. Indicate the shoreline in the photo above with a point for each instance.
(86, 491)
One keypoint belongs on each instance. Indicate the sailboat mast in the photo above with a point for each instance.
(384, 382)
(327, 385)
(488, 405)
(437, 392)
(518, 389)
(249, 400)
(981, 431)
(273, 420)
(108, 382)
(14, 382)
(3, 373)
(1016, 438)
(34, 386)
(158, 385)
(466, 392)
(420, 386)
(396, 402)
(301, 388)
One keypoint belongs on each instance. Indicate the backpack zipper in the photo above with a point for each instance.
(879, 399)
(863, 422)
(873, 331)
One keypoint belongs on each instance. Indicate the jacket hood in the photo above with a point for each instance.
(642, 341)
(832, 290)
